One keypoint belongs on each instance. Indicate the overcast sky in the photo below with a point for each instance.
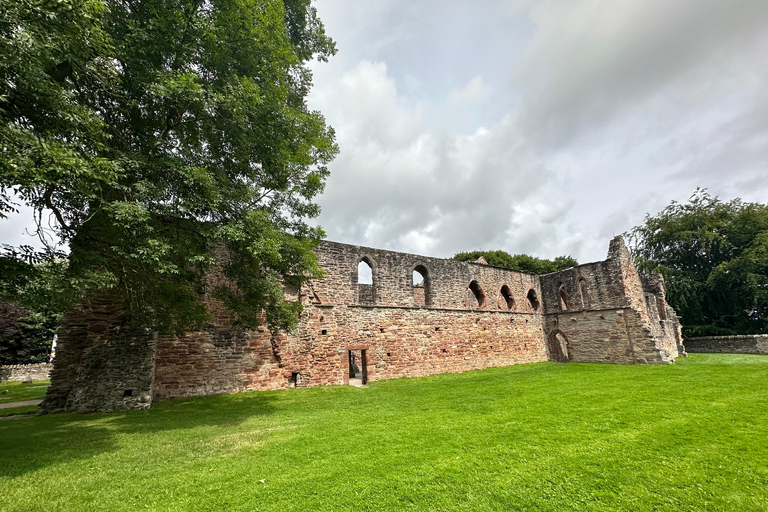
(537, 127)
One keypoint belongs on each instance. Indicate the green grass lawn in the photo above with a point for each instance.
(17, 392)
(690, 436)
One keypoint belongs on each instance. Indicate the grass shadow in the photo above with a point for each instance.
(35, 442)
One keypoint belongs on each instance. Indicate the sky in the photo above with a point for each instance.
(538, 127)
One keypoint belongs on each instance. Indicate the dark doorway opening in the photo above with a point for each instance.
(358, 367)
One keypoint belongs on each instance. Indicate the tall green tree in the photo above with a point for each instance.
(522, 262)
(166, 137)
(714, 258)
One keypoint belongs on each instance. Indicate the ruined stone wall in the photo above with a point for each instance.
(665, 325)
(406, 331)
(446, 281)
(602, 312)
(101, 363)
(25, 372)
(463, 316)
(746, 344)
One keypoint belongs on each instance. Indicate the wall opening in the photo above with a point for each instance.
(364, 272)
(358, 367)
(421, 286)
(474, 287)
(584, 293)
(366, 293)
(559, 347)
(506, 295)
(661, 305)
(563, 298)
(533, 300)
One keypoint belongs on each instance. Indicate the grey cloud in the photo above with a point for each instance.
(610, 103)
(411, 188)
(591, 61)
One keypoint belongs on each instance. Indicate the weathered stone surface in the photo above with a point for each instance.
(25, 372)
(608, 313)
(100, 364)
(463, 316)
(748, 344)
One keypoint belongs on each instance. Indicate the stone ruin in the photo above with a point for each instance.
(415, 316)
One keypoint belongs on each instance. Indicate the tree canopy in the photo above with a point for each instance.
(522, 262)
(714, 258)
(166, 137)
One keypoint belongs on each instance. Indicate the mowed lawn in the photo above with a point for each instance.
(11, 392)
(690, 436)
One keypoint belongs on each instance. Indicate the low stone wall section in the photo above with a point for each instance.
(25, 372)
(748, 344)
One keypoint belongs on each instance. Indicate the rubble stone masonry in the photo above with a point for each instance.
(462, 316)
(25, 372)
(745, 344)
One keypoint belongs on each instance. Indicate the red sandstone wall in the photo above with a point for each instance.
(407, 342)
(405, 331)
(402, 338)
(101, 363)
(615, 322)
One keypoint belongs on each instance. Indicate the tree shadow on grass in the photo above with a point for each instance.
(30, 444)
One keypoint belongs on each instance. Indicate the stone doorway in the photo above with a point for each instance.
(559, 348)
(358, 367)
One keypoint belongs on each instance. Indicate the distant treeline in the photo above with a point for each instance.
(521, 262)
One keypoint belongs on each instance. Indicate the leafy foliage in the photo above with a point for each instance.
(522, 262)
(166, 137)
(23, 338)
(714, 258)
(33, 294)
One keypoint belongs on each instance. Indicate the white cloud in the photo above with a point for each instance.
(613, 109)
(476, 91)
(399, 184)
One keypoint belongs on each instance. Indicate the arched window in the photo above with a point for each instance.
(507, 296)
(421, 286)
(474, 286)
(563, 298)
(559, 347)
(366, 293)
(533, 300)
(584, 294)
(364, 272)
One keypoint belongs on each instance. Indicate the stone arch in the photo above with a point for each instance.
(508, 299)
(559, 347)
(477, 291)
(365, 278)
(533, 300)
(422, 290)
(584, 292)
